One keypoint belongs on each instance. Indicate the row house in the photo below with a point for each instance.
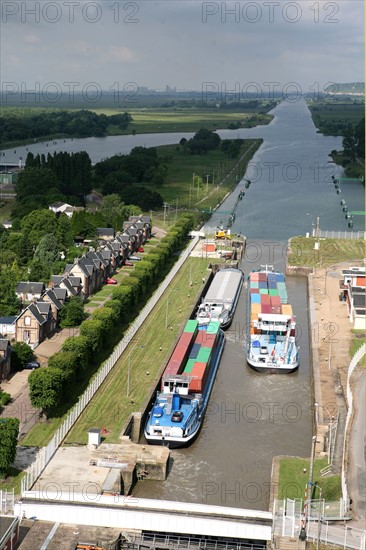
(7, 326)
(35, 323)
(5, 353)
(29, 291)
(352, 287)
(66, 287)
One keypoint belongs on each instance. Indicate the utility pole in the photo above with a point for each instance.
(207, 176)
(165, 207)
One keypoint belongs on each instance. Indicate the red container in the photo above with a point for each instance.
(275, 300)
(207, 340)
(199, 375)
(265, 299)
(186, 338)
(254, 276)
(179, 353)
(254, 291)
(266, 308)
(262, 277)
(276, 310)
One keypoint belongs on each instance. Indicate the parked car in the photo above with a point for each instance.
(141, 249)
(32, 365)
(134, 259)
(110, 281)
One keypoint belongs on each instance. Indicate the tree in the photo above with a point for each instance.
(47, 251)
(66, 361)
(72, 313)
(38, 224)
(64, 232)
(37, 182)
(21, 354)
(9, 430)
(46, 388)
(92, 329)
(9, 303)
(79, 346)
(107, 316)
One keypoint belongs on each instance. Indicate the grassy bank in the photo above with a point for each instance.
(111, 406)
(181, 190)
(331, 251)
(332, 118)
(293, 479)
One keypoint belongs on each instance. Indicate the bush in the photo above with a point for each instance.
(20, 355)
(5, 398)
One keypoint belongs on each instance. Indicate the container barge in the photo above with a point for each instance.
(271, 343)
(186, 385)
(221, 298)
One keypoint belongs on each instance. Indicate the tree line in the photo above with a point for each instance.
(50, 387)
(47, 123)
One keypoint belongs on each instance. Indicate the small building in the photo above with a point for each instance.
(105, 233)
(9, 532)
(29, 291)
(8, 224)
(59, 207)
(35, 323)
(352, 287)
(7, 326)
(5, 353)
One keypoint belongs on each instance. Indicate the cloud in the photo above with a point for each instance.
(124, 54)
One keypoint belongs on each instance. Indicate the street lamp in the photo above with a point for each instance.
(167, 306)
(129, 368)
(319, 509)
(307, 504)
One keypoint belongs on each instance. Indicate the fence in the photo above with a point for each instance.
(327, 234)
(353, 364)
(7, 502)
(287, 515)
(47, 452)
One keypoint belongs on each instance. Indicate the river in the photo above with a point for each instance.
(252, 417)
(290, 173)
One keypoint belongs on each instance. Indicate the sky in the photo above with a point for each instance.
(87, 46)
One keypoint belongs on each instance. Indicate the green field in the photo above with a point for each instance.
(332, 118)
(111, 407)
(215, 164)
(147, 121)
(293, 479)
(331, 251)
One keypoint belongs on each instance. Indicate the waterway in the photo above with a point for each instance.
(252, 416)
(291, 174)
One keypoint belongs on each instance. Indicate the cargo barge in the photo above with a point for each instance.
(221, 298)
(271, 343)
(186, 385)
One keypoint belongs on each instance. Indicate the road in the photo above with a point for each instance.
(357, 465)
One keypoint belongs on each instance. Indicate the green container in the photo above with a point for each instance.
(203, 355)
(189, 365)
(191, 326)
(254, 284)
(273, 292)
(213, 327)
(281, 284)
(263, 291)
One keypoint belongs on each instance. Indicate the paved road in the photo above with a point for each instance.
(357, 463)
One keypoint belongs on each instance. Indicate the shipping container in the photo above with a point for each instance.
(262, 277)
(273, 292)
(255, 298)
(204, 355)
(254, 291)
(194, 351)
(254, 284)
(213, 327)
(276, 310)
(266, 308)
(280, 277)
(256, 308)
(263, 291)
(263, 284)
(199, 376)
(254, 276)
(275, 301)
(189, 365)
(286, 309)
(265, 299)
(191, 326)
(209, 247)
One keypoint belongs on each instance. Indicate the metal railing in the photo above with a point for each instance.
(353, 364)
(46, 453)
(330, 234)
(6, 501)
(320, 525)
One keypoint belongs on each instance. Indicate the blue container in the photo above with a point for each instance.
(280, 277)
(272, 284)
(255, 298)
(262, 284)
(194, 351)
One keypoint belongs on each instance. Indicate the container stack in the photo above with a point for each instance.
(182, 349)
(267, 295)
(200, 356)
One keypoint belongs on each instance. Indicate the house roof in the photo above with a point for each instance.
(52, 296)
(4, 343)
(57, 204)
(109, 231)
(43, 307)
(68, 286)
(60, 293)
(7, 320)
(56, 279)
(75, 281)
(355, 271)
(35, 312)
(35, 288)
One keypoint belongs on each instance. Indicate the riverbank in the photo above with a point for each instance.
(333, 344)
